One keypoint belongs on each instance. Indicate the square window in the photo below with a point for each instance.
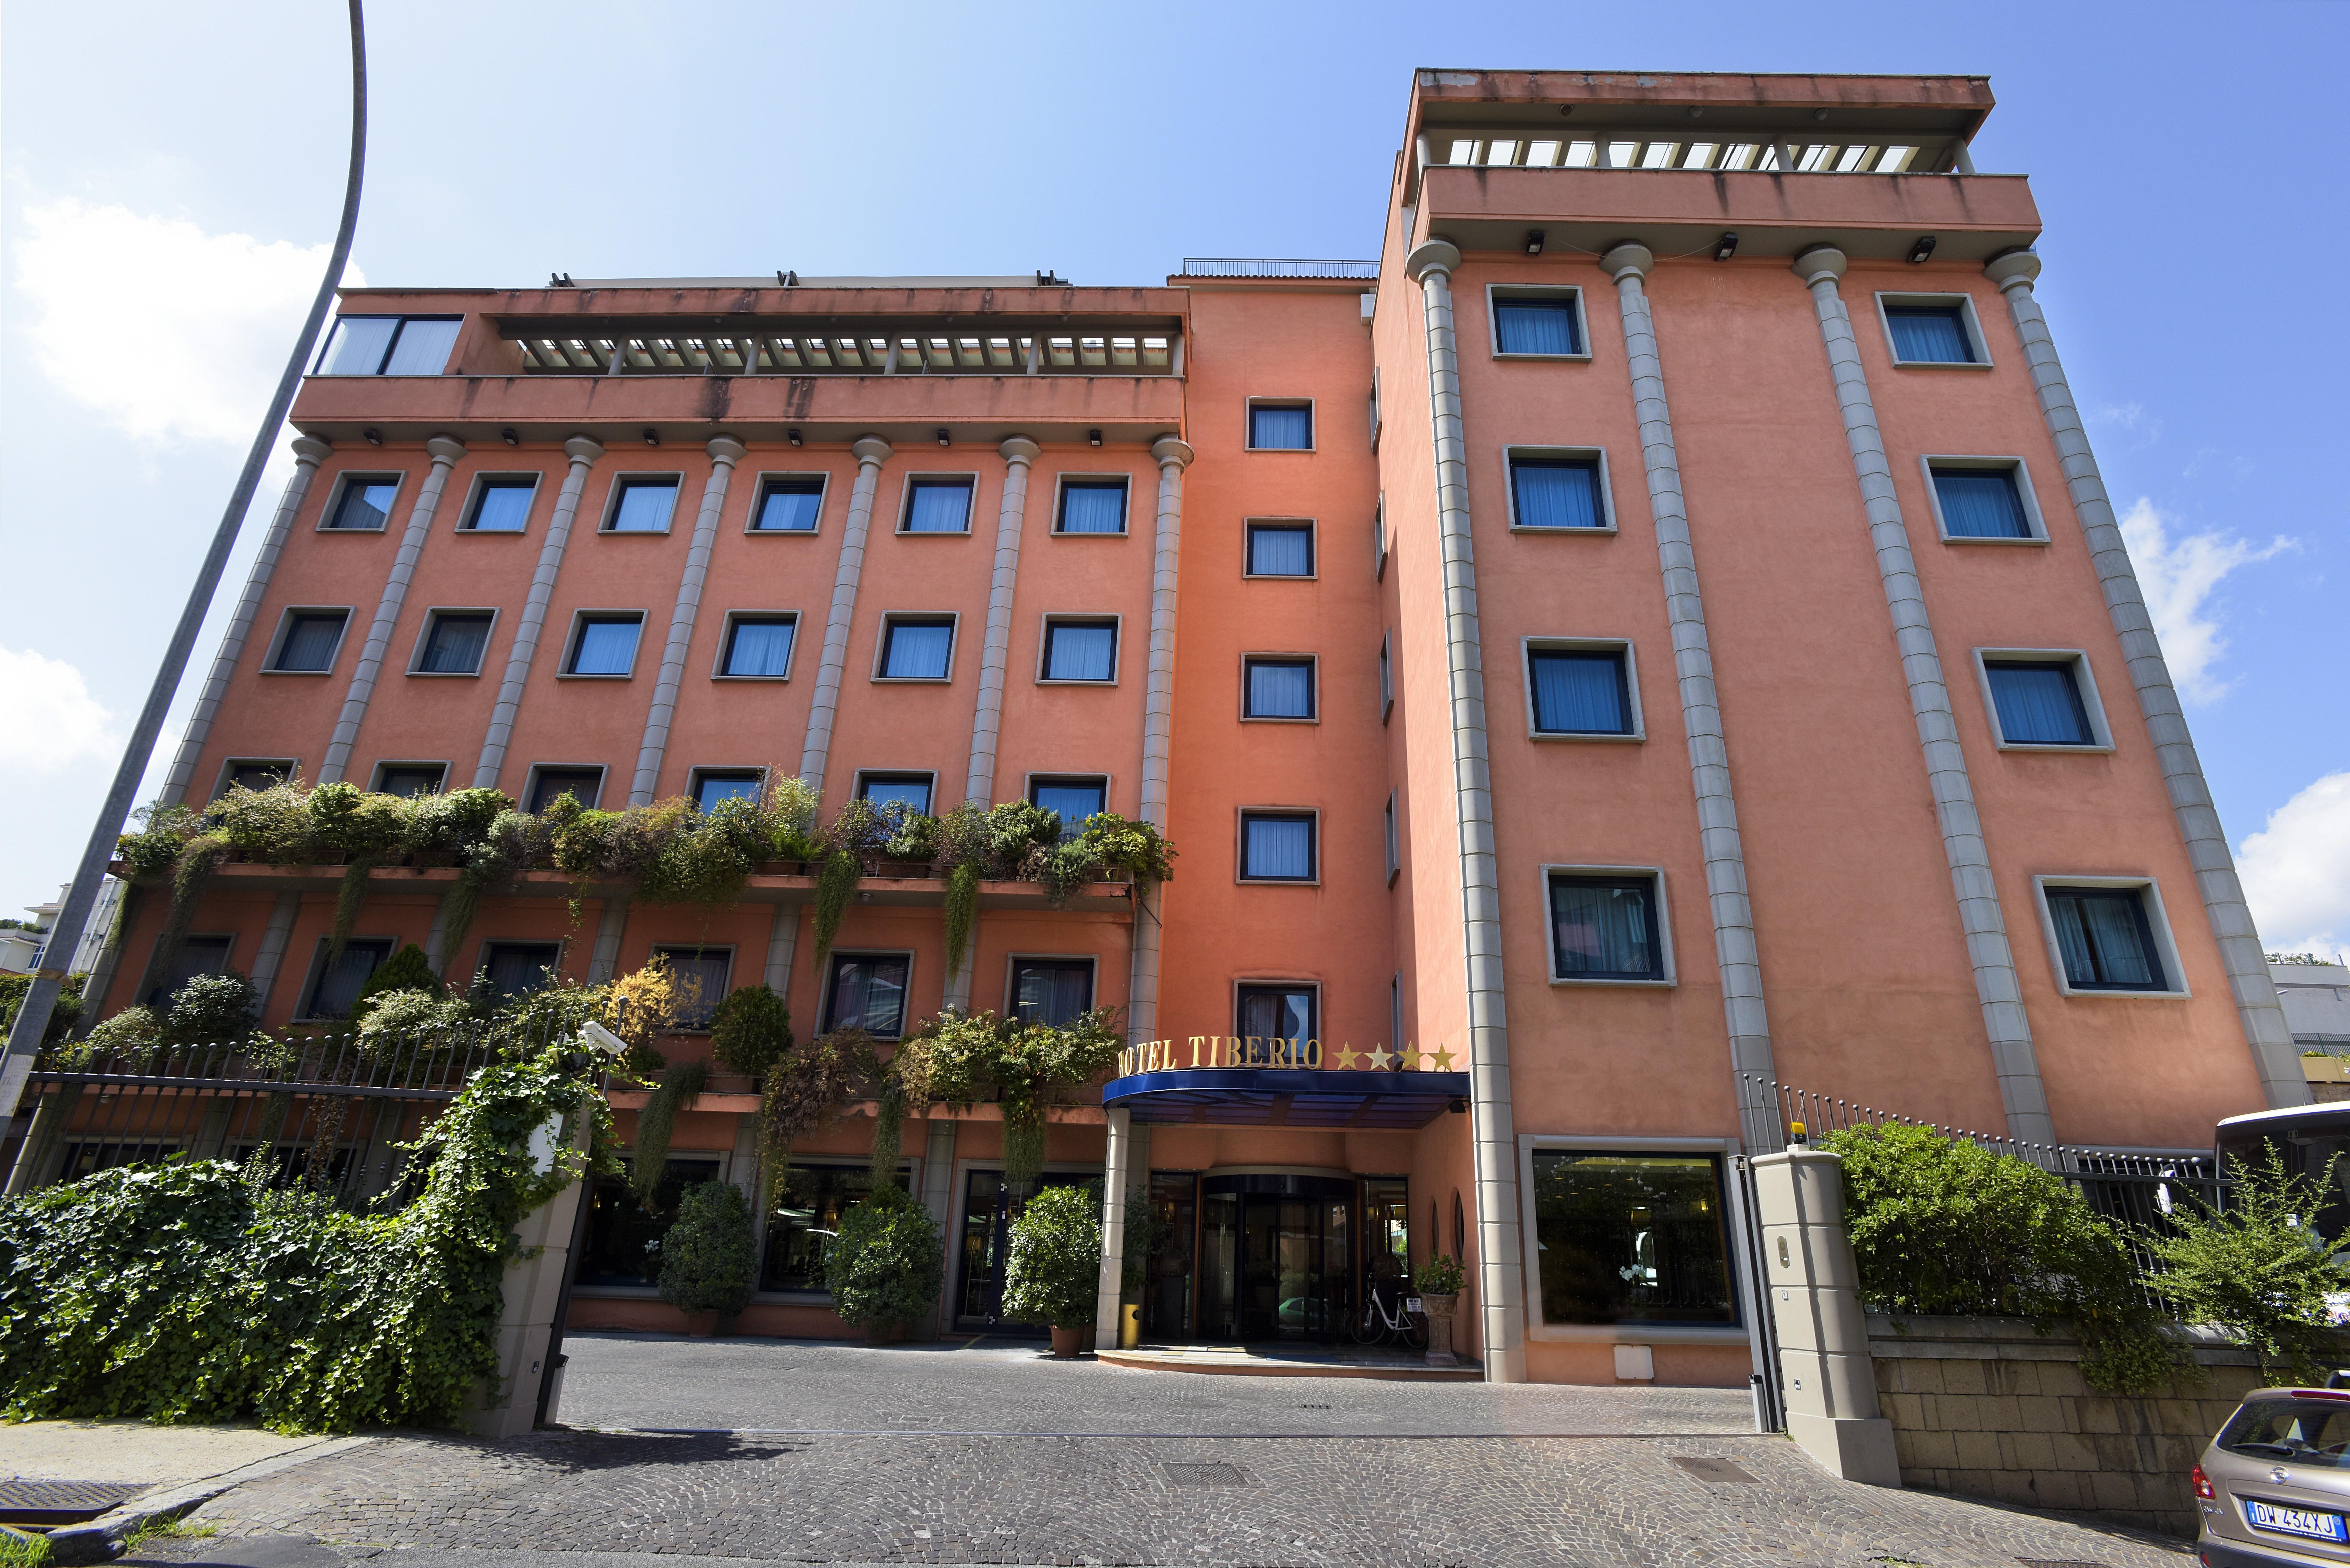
(1981, 504)
(604, 644)
(916, 649)
(365, 504)
(517, 968)
(502, 506)
(308, 645)
(409, 779)
(788, 505)
(2105, 938)
(582, 784)
(1080, 650)
(625, 1234)
(1051, 991)
(1281, 549)
(868, 991)
(336, 985)
(937, 506)
(1380, 539)
(1930, 335)
(911, 791)
(758, 647)
(1387, 676)
(1277, 847)
(1537, 323)
(256, 775)
(1394, 845)
(642, 507)
(1580, 692)
(1555, 492)
(1071, 800)
(1278, 689)
(1092, 506)
(809, 1203)
(1605, 928)
(1277, 1012)
(699, 975)
(2038, 704)
(713, 785)
(197, 955)
(1281, 427)
(1630, 1238)
(422, 346)
(454, 643)
(359, 344)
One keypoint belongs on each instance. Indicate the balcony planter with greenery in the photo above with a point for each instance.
(1053, 1274)
(887, 1264)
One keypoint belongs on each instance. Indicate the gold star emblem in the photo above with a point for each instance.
(1441, 1061)
(1380, 1058)
(1347, 1058)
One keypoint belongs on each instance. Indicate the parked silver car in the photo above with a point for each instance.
(2274, 1485)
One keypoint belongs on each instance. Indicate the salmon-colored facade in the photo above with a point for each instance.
(1650, 632)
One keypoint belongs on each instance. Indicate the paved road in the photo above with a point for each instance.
(1202, 1472)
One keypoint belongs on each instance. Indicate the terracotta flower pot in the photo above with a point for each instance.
(1440, 1309)
(701, 1324)
(1068, 1342)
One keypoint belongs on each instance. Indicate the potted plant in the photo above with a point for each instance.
(708, 1257)
(1438, 1282)
(1053, 1274)
(886, 1265)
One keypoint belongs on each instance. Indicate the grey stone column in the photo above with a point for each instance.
(604, 958)
(1737, 957)
(1501, 1270)
(725, 451)
(271, 957)
(2275, 1054)
(979, 786)
(938, 1196)
(583, 453)
(444, 450)
(1173, 456)
(1118, 1152)
(871, 452)
(308, 453)
(783, 941)
(1996, 987)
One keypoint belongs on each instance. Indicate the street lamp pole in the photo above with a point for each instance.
(73, 913)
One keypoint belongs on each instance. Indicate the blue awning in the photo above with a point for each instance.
(1288, 1097)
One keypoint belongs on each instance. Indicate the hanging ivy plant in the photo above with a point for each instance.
(806, 1090)
(677, 1089)
(962, 912)
(957, 1059)
(836, 886)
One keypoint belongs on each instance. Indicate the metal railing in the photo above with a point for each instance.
(1274, 266)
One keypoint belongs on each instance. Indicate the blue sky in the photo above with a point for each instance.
(168, 176)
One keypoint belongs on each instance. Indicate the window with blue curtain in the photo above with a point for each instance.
(503, 506)
(1276, 428)
(699, 975)
(759, 647)
(455, 644)
(365, 504)
(1556, 492)
(338, 984)
(1277, 849)
(911, 791)
(1092, 506)
(2039, 704)
(1280, 688)
(1605, 928)
(2106, 940)
(422, 346)
(1981, 504)
(1281, 550)
(866, 992)
(311, 639)
(1080, 650)
(1524, 326)
(1581, 691)
(1051, 991)
(789, 506)
(606, 646)
(938, 507)
(1276, 1012)
(1071, 800)
(644, 507)
(1930, 334)
(714, 787)
(518, 968)
(917, 650)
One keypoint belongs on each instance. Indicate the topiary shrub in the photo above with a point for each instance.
(750, 1029)
(407, 970)
(212, 1009)
(887, 1264)
(708, 1256)
(1053, 1274)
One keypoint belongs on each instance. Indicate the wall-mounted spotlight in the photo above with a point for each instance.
(510, 436)
(1819, 114)
(374, 436)
(792, 436)
(1093, 438)
(1566, 109)
(944, 439)
(1727, 246)
(653, 436)
(1696, 111)
(1533, 242)
(1922, 251)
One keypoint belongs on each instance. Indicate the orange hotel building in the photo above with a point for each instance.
(1658, 628)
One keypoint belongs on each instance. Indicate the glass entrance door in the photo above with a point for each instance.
(988, 1211)
(1276, 1256)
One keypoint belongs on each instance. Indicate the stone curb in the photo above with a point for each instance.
(101, 1539)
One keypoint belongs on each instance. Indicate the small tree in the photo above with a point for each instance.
(750, 1029)
(407, 970)
(708, 1257)
(887, 1263)
(2258, 1267)
(1053, 1272)
(212, 1009)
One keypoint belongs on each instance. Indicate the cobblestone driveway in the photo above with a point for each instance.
(875, 1474)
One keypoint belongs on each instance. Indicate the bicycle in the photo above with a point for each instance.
(1376, 1325)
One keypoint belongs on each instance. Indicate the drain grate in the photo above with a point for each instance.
(1722, 1472)
(1204, 1475)
(1314, 1407)
(47, 1502)
(2058, 1562)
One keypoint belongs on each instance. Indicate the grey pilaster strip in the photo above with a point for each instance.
(583, 453)
(1500, 1266)
(725, 451)
(445, 450)
(987, 721)
(1738, 959)
(2009, 1031)
(2275, 1054)
(308, 453)
(604, 959)
(782, 942)
(1173, 456)
(871, 452)
(271, 957)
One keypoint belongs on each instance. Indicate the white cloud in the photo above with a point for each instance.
(47, 717)
(2296, 870)
(2178, 578)
(174, 334)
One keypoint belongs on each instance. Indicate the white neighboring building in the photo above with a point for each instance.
(20, 950)
(2316, 998)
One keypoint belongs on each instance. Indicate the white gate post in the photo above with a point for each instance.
(1824, 1364)
(507, 1407)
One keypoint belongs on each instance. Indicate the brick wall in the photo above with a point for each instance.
(1987, 1407)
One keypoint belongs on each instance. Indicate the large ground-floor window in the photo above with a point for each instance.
(809, 1202)
(1631, 1238)
(624, 1232)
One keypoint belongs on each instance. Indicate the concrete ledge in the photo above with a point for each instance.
(1240, 1364)
(101, 1539)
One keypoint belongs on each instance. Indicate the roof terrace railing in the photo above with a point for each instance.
(1269, 267)
(1760, 151)
(855, 354)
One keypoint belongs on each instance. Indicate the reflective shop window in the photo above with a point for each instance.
(1631, 1238)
